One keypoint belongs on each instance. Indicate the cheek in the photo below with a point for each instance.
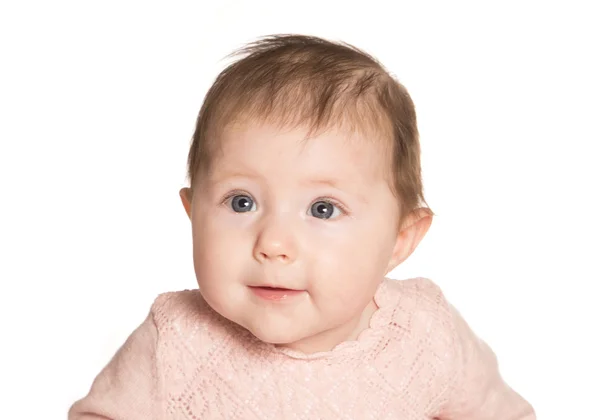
(218, 252)
(219, 268)
(361, 246)
(350, 265)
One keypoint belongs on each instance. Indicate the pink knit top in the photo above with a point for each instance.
(417, 360)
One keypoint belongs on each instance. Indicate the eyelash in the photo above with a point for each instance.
(232, 194)
(326, 199)
(334, 202)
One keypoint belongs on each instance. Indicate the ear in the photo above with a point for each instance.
(412, 231)
(186, 200)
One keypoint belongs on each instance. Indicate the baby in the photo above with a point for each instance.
(305, 191)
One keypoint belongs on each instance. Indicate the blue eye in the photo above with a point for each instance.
(242, 204)
(324, 210)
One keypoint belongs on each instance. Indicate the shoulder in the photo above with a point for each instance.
(420, 324)
(416, 287)
(179, 305)
(184, 317)
(415, 295)
(191, 337)
(419, 309)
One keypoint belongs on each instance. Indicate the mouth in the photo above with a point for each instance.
(273, 293)
(274, 288)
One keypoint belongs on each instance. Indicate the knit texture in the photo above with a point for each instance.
(417, 360)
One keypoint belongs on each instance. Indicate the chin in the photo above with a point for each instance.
(277, 336)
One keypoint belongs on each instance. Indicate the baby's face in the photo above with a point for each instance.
(316, 216)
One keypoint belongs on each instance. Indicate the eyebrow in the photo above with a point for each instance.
(221, 176)
(335, 183)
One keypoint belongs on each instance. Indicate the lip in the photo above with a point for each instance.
(275, 294)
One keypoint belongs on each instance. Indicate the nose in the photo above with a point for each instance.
(275, 242)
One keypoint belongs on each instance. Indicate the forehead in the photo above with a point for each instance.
(332, 154)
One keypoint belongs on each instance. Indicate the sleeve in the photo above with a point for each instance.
(128, 387)
(479, 392)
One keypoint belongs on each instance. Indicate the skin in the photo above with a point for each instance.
(337, 263)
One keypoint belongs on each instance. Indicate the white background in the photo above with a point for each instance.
(97, 107)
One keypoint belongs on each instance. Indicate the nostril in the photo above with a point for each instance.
(264, 256)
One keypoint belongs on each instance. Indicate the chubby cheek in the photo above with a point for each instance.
(218, 256)
(358, 245)
(350, 267)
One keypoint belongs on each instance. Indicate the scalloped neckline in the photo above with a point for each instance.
(366, 337)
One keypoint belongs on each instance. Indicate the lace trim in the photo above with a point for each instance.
(365, 340)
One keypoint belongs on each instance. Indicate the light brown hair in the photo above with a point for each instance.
(293, 80)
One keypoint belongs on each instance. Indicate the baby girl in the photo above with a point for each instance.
(305, 191)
